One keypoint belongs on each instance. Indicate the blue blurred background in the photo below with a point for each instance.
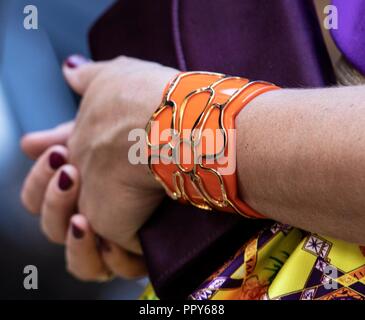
(33, 96)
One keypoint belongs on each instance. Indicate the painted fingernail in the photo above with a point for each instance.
(77, 232)
(104, 245)
(65, 182)
(75, 61)
(56, 160)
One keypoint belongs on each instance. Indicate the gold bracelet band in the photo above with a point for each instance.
(191, 139)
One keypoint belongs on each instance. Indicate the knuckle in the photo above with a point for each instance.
(76, 148)
(75, 272)
(49, 204)
(122, 59)
(54, 238)
(71, 143)
(129, 270)
(84, 274)
(129, 275)
(27, 203)
(53, 235)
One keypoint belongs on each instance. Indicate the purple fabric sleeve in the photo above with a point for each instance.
(350, 35)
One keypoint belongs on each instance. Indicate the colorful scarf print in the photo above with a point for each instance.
(285, 263)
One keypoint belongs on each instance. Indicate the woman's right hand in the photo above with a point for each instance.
(51, 190)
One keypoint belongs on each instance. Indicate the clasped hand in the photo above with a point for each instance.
(89, 196)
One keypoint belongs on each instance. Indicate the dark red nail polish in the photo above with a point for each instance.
(77, 232)
(56, 160)
(75, 61)
(104, 245)
(65, 182)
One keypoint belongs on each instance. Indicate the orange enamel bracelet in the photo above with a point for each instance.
(191, 139)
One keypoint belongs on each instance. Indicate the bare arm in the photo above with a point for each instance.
(301, 159)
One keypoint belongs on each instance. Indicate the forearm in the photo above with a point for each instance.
(301, 159)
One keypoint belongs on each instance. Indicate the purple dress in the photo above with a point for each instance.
(350, 35)
(182, 244)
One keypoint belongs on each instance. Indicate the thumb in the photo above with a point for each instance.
(80, 72)
(34, 144)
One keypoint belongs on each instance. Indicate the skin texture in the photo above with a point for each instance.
(300, 161)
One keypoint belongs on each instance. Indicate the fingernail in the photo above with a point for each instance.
(77, 232)
(64, 182)
(104, 245)
(56, 160)
(75, 61)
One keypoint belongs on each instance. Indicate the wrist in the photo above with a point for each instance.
(158, 82)
(255, 153)
(191, 168)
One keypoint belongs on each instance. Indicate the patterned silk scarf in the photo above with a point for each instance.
(285, 263)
